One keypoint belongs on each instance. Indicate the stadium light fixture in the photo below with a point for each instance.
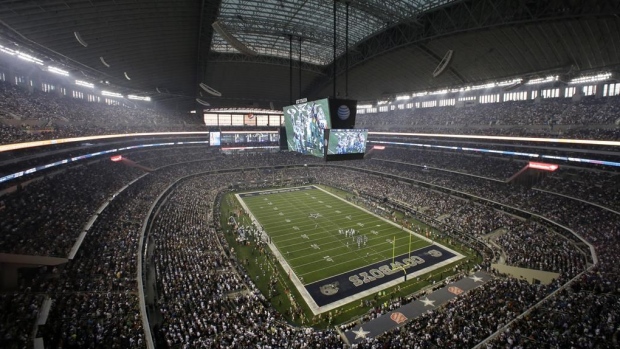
(547, 79)
(383, 102)
(84, 84)
(29, 58)
(509, 82)
(420, 94)
(439, 92)
(139, 98)
(591, 78)
(403, 97)
(483, 86)
(111, 94)
(8, 50)
(57, 71)
(364, 106)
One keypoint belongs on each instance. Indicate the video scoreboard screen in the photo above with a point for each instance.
(305, 126)
(347, 141)
(215, 138)
(238, 138)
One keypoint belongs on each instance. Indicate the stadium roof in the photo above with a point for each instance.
(267, 28)
(165, 48)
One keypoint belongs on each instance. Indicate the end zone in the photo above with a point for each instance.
(338, 290)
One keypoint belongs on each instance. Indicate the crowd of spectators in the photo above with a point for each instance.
(95, 301)
(50, 115)
(533, 246)
(525, 244)
(17, 319)
(480, 220)
(52, 106)
(103, 273)
(203, 300)
(602, 188)
(94, 320)
(465, 320)
(95, 298)
(484, 166)
(46, 216)
(591, 117)
(596, 225)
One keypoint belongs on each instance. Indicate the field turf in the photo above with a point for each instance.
(304, 225)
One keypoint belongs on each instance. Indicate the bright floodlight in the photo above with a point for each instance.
(542, 80)
(509, 82)
(591, 78)
(57, 71)
(483, 86)
(8, 50)
(439, 92)
(111, 94)
(139, 98)
(84, 83)
(29, 58)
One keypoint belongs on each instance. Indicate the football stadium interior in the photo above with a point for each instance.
(309, 174)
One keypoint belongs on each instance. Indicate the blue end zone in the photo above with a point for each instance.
(341, 286)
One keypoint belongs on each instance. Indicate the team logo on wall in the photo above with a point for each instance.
(455, 290)
(343, 112)
(398, 317)
(330, 289)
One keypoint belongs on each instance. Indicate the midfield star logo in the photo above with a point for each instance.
(360, 333)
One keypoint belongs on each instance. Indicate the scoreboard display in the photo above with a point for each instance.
(215, 138)
(305, 126)
(308, 126)
(347, 144)
(351, 141)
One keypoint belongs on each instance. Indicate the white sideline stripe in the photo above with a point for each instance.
(300, 286)
(287, 268)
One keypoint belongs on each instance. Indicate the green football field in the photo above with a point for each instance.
(304, 225)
